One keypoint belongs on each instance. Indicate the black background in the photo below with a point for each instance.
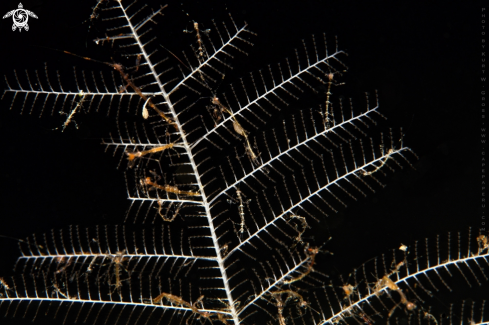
(424, 61)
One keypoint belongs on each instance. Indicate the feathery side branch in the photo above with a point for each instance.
(408, 282)
(271, 93)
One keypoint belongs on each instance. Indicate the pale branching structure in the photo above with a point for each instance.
(220, 197)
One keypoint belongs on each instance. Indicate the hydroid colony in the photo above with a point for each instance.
(221, 199)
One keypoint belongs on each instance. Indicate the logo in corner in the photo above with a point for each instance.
(20, 17)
